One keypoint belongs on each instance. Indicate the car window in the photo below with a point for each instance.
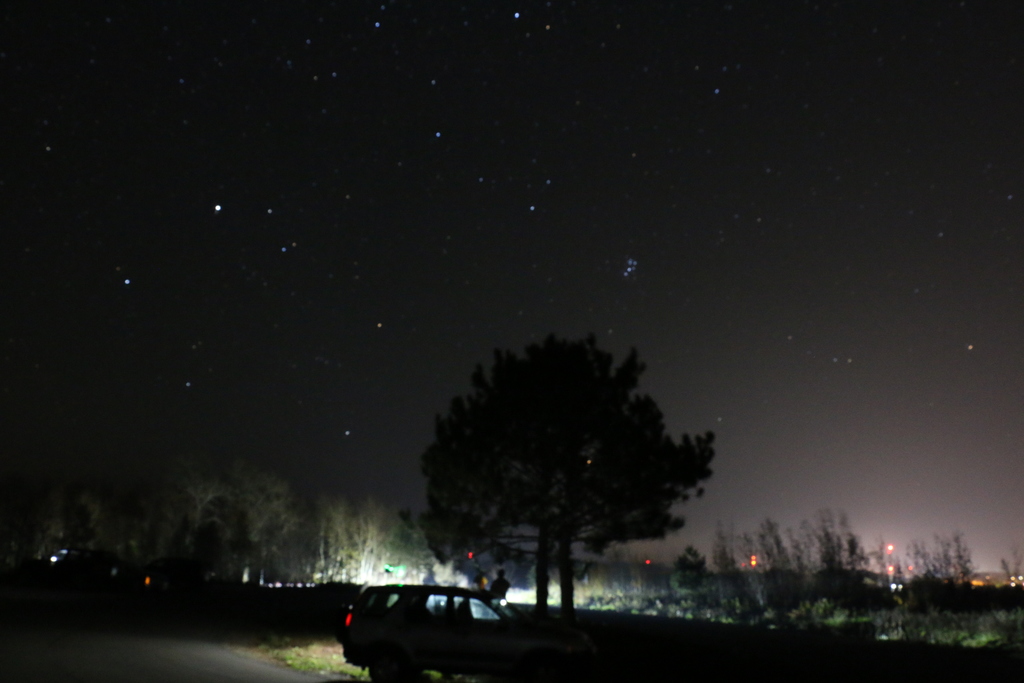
(431, 608)
(506, 610)
(480, 610)
(473, 609)
(437, 605)
(377, 604)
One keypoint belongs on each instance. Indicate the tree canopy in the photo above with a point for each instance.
(553, 449)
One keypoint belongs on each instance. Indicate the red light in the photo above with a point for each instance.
(470, 554)
(647, 561)
(348, 619)
(888, 549)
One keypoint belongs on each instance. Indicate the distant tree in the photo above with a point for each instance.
(198, 497)
(772, 553)
(552, 449)
(1012, 568)
(723, 553)
(260, 511)
(949, 558)
(28, 523)
(690, 570)
(370, 543)
(839, 549)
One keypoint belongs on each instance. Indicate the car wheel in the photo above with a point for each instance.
(388, 666)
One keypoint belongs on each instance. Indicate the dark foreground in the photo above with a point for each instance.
(651, 648)
(87, 637)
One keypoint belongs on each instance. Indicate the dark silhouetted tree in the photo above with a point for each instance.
(556, 448)
(690, 570)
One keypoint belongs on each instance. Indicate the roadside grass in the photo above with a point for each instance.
(310, 654)
(326, 656)
(992, 629)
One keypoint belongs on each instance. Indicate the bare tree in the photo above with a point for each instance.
(950, 558)
(370, 543)
(962, 563)
(198, 495)
(801, 548)
(1012, 568)
(373, 528)
(262, 511)
(723, 555)
(772, 552)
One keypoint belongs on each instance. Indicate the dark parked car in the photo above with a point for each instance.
(397, 631)
(83, 568)
(176, 572)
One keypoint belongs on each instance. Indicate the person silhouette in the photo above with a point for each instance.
(500, 585)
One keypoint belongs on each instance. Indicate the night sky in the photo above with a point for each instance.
(288, 232)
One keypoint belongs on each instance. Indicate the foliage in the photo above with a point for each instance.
(360, 544)
(244, 522)
(690, 570)
(995, 628)
(948, 558)
(552, 449)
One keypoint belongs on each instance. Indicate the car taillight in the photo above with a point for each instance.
(348, 619)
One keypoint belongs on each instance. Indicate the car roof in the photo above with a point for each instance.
(425, 588)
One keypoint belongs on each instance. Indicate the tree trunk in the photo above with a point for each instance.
(565, 577)
(543, 572)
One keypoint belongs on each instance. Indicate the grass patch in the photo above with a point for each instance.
(316, 655)
(326, 656)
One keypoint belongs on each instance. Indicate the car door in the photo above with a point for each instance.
(428, 630)
(483, 638)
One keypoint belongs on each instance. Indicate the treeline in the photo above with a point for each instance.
(246, 523)
(820, 572)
